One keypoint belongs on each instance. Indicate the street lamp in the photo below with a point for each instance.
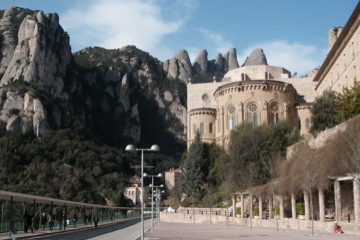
(154, 148)
(152, 196)
(157, 201)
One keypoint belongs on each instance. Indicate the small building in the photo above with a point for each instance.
(133, 191)
(172, 177)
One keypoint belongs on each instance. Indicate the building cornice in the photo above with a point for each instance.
(338, 47)
(264, 85)
(202, 111)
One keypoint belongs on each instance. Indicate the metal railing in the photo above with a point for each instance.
(76, 214)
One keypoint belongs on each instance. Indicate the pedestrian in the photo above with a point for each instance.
(33, 223)
(89, 218)
(37, 221)
(27, 221)
(51, 220)
(43, 221)
(60, 219)
(96, 220)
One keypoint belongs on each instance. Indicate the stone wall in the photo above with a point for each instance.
(285, 223)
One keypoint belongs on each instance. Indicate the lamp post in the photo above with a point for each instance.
(152, 196)
(157, 200)
(154, 148)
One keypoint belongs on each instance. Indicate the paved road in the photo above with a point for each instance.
(188, 231)
(124, 231)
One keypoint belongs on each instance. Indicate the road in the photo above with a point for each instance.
(124, 231)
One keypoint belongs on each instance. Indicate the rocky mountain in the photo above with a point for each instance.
(122, 95)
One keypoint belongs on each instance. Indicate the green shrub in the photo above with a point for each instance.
(255, 211)
(300, 208)
(276, 212)
(238, 210)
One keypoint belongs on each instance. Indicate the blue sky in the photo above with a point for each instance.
(292, 33)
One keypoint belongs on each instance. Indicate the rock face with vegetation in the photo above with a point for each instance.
(92, 98)
(75, 112)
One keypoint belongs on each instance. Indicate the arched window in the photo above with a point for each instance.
(274, 113)
(211, 128)
(202, 128)
(307, 123)
(231, 117)
(194, 127)
(252, 113)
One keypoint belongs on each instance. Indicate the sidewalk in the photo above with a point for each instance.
(46, 232)
(189, 231)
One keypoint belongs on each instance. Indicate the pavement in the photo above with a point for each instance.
(189, 231)
(46, 232)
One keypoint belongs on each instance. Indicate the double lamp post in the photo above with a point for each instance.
(154, 148)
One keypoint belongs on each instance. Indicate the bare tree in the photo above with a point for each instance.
(251, 170)
(310, 175)
(352, 137)
(270, 164)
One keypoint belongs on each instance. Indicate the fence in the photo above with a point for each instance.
(17, 208)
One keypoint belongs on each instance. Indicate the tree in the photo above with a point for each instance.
(193, 168)
(347, 103)
(310, 175)
(323, 112)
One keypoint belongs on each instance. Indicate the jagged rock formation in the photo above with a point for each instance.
(257, 57)
(179, 67)
(44, 89)
(219, 63)
(231, 59)
(35, 53)
(201, 62)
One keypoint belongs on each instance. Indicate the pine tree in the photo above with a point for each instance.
(193, 176)
(323, 112)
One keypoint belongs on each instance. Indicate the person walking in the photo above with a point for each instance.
(96, 220)
(51, 220)
(27, 222)
(43, 221)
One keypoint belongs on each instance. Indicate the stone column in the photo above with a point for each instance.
(270, 207)
(242, 207)
(251, 205)
(337, 193)
(260, 208)
(293, 206)
(281, 207)
(356, 187)
(307, 206)
(321, 205)
(234, 205)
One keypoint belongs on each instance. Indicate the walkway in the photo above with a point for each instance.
(188, 231)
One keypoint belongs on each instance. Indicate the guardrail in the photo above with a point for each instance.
(16, 208)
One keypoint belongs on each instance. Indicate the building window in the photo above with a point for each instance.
(252, 113)
(202, 128)
(231, 117)
(307, 123)
(194, 127)
(274, 113)
(205, 98)
(211, 128)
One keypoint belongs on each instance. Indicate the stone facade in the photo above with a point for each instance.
(172, 177)
(259, 94)
(251, 93)
(341, 67)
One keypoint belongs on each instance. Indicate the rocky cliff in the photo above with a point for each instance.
(44, 87)
(124, 92)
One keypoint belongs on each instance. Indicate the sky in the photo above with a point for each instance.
(292, 33)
